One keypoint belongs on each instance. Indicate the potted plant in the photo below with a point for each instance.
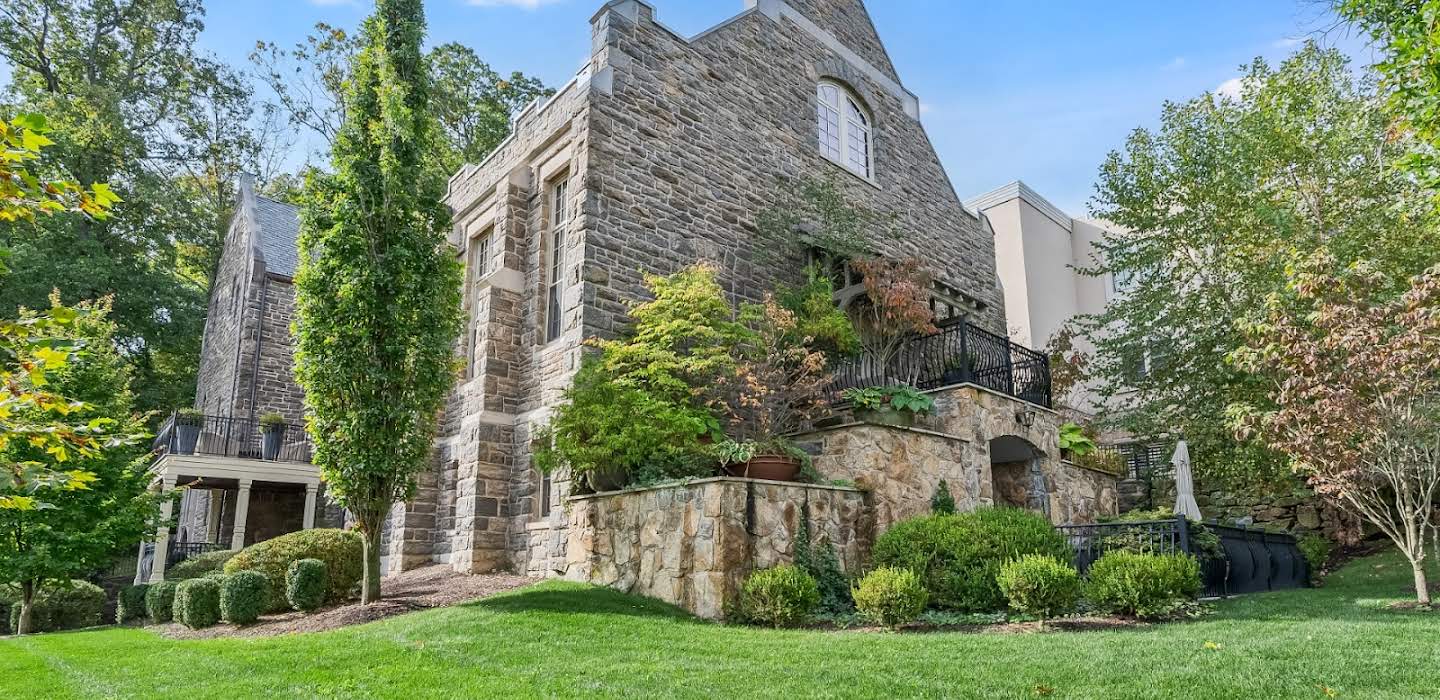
(1074, 442)
(188, 422)
(272, 433)
(778, 387)
(889, 405)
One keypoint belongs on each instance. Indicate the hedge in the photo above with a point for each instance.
(58, 606)
(201, 565)
(197, 602)
(243, 596)
(341, 550)
(130, 603)
(160, 601)
(305, 584)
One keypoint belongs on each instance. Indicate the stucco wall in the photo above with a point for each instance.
(693, 544)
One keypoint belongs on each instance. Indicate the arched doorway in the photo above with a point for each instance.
(1016, 476)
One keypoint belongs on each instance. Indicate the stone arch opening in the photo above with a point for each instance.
(1016, 474)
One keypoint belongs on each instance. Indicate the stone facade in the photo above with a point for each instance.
(693, 544)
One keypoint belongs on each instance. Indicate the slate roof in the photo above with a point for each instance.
(279, 229)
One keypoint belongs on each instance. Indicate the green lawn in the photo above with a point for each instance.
(558, 639)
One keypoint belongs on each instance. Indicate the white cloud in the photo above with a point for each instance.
(1231, 88)
(522, 4)
(1287, 43)
(1175, 64)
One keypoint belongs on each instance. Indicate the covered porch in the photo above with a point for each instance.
(230, 503)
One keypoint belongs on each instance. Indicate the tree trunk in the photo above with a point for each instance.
(370, 592)
(27, 607)
(1422, 586)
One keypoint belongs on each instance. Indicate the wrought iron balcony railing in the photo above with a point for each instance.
(222, 436)
(960, 353)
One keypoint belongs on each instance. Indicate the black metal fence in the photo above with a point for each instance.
(232, 437)
(959, 353)
(1252, 560)
(180, 551)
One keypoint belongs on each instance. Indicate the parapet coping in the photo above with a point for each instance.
(905, 428)
(715, 480)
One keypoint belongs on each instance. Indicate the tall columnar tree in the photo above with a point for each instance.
(1206, 207)
(378, 289)
(79, 530)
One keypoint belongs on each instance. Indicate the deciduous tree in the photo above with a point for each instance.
(378, 289)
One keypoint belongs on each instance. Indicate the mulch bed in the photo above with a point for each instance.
(429, 587)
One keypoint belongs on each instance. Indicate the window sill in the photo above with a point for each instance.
(534, 525)
(846, 169)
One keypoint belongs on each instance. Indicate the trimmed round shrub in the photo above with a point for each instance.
(958, 556)
(60, 606)
(207, 564)
(130, 603)
(781, 596)
(160, 601)
(1146, 586)
(1039, 585)
(305, 584)
(891, 596)
(341, 550)
(197, 602)
(243, 596)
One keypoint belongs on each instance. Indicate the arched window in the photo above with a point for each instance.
(844, 129)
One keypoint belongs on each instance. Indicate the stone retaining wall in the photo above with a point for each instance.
(693, 544)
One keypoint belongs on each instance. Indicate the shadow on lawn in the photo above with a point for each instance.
(580, 599)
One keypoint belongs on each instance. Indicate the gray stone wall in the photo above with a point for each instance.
(217, 380)
(693, 544)
(268, 336)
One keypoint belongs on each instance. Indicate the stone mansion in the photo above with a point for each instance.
(660, 152)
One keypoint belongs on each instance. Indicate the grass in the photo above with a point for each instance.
(560, 639)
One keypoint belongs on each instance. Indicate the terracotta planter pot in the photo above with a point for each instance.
(903, 419)
(767, 467)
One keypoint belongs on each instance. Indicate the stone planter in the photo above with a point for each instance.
(272, 439)
(902, 419)
(767, 467)
(605, 480)
(186, 437)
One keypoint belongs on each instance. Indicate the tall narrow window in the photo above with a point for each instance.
(844, 129)
(559, 216)
(479, 267)
(547, 484)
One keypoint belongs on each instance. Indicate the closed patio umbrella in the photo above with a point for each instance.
(1184, 483)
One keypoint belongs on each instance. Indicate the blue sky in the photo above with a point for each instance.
(1038, 90)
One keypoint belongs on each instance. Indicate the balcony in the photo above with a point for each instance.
(960, 353)
(240, 438)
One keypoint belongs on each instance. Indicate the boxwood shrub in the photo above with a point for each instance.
(201, 565)
(1039, 585)
(160, 601)
(243, 596)
(305, 584)
(891, 596)
(958, 556)
(61, 606)
(1147, 586)
(130, 603)
(341, 550)
(197, 602)
(781, 596)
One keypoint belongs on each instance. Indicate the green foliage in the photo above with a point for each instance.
(160, 601)
(243, 596)
(272, 420)
(1189, 215)
(130, 603)
(1404, 31)
(1204, 541)
(341, 550)
(1074, 439)
(23, 195)
(1147, 586)
(189, 416)
(63, 605)
(899, 398)
(891, 596)
(377, 293)
(958, 556)
(815, 213)
(199, 565)
(819, 322)
(823, 565)
(1039, 585)
(1316, 550)
(305, 584)
(780, 596)
(197, 602)
(942, 503)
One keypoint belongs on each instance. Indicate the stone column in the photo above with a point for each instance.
(139, 563)
(242, 511)
(162, 534)
(308, 520)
